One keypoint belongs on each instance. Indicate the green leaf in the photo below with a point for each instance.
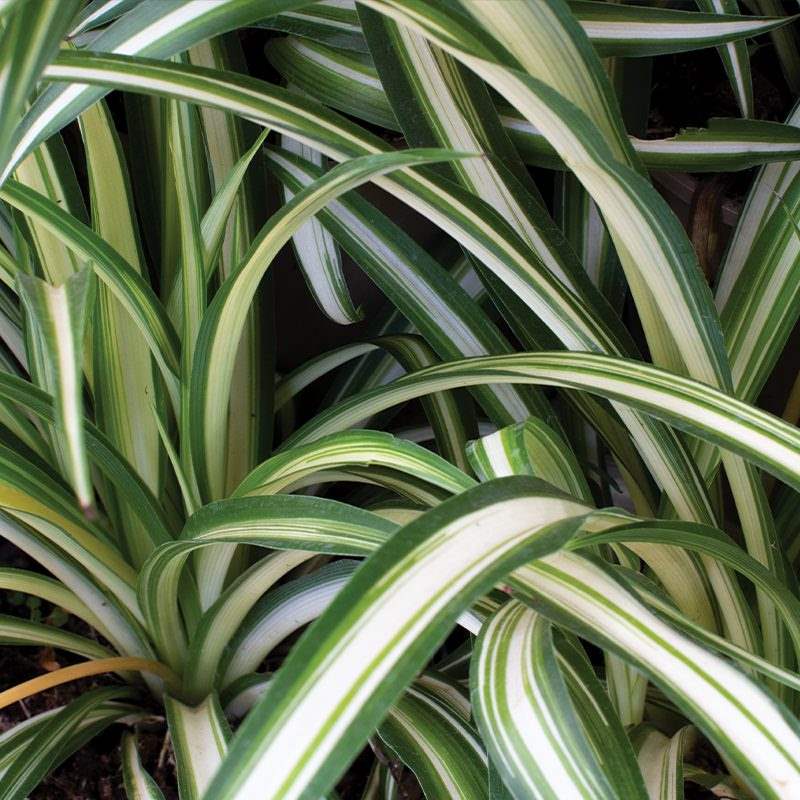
(102, 454)
(319, 257)
(280, 613)
(219, 623)
(529, 448)
(735, 57)
(127, 285)
(613, 29)
(524, 712)
(29, 40)
(438, 745)
(763, 198)
(199, 735)
(622, 30)
(472, 222)
(124, 379)
(661, 759)
(227, 138)
(327, 74)
(452, 325)
(755, 734)
(341, 678)
(760, 437)
(17, 631)
(61, 314)
(156, 28)
(138, 784)
(368, 455)
(223, 322)
(283, 522)
(55, 741)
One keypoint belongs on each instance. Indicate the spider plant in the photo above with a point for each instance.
(575, 579)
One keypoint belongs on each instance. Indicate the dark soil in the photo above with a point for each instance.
(687, 90)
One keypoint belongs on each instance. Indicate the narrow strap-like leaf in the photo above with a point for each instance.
(222, 324)
(138, 783)
(754, 732)
(614, 30)
(325, 73)
(760, 437)
(735, 57)
(15, 630)
(524, 711)
(319, 257)
(285, 522)
(61, 314)
(218, 624)
(353, 449)
(381, 629)
(199, 736)
(411, 278)
(124, 381)
(56, 740)
(128, 286)
(763, 198)
(279, 613)
(158, 28)
(29, 39)
(441, 748)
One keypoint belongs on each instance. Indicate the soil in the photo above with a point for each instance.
(687, 90)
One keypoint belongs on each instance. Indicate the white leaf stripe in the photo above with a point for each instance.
(14, 630)
(223, 323)
(199, 737)
(716, 545)
(157, 28)
(442, 749)
(612, 29)
(29, 40)
(653, 248)
(743, 721)
(758, 436)
(529, 448)
(61, 315)
(601, 724)
(748, 660)
(281, 612)
(102, 453)
(451, 324)
(319, 257)
(52, 591)
(396, 609)
(99, 12)
(138, 784)
(762, 199)
(285, 522)
(661, 759)
(524, 712)
(55, 741)
(294, 382)
(532, 448)
(218, 624)
(460, 214)
(128, 286)
(590, 137)
(123, 379)
(119, 627)
(735, 57)
(761, 309)
(726, 144)
(356, 448)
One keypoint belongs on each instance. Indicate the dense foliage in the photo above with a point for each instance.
(535, 537)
